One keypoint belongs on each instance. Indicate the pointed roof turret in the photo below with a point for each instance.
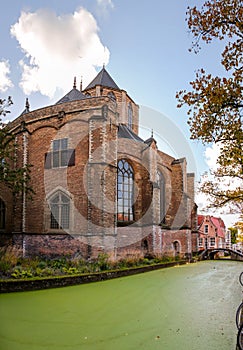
(150, 140)
(72, 95)
(27, 107)
(74, 83)
(103, 78)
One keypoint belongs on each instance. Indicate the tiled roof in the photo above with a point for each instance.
(200, 219)
(219, 224)
(125, 132)
(73, 95)
(103, 78)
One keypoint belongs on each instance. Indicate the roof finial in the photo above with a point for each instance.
(152, 133)
(81, 84)
(74, 83)
(27, 105)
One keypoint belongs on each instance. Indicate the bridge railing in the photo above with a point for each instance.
(210, 252)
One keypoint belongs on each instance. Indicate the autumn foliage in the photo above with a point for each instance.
(215, 103)
(15, 177)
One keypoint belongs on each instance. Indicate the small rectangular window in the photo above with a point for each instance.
(206, 229)
(212, 241)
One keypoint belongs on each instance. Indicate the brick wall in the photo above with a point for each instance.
(91, 128)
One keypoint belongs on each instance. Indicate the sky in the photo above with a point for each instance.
(144, 45)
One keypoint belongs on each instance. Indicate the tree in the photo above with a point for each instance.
(233, 233)
(215, 103)
(12, 174)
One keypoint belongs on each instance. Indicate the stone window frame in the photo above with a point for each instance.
(61, 156)
(206, 227)
(2, 215)
(49, 213)
(125, 191)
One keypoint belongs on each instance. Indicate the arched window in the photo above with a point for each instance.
(112, 96)
(125, 176)
(60, 211)
(161, 183)
(176, 246)
(130, 116)
(2, 214)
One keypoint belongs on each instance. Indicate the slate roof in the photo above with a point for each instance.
(125, 132)
(103, 78)
(72, 95)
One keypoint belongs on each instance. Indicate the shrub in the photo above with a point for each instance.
(70, 270)
(20, 273)
(8, 260)
(103, 262)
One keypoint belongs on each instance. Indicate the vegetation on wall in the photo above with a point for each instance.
(13, 173)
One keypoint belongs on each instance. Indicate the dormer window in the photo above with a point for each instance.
(130, 116)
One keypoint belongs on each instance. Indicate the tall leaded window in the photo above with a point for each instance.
(125, 178)
(60, 153)
(162, 196)
(2, 214)
(130, 116)
(60, 211)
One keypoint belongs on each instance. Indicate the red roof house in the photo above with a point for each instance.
(211, 232)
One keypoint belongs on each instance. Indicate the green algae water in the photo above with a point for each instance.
(190, 307)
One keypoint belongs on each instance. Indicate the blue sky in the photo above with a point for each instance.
(143, 43)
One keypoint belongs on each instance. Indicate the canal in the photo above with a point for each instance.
(190, 307)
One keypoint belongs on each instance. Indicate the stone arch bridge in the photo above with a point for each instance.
(209, 254)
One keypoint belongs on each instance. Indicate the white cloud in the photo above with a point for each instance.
(211, 155)
(57, 48)
(5, 82)
(105, 4)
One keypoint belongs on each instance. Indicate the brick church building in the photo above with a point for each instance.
(98, 186)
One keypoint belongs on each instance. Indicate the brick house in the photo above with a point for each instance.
(211, 232)
(98, 186)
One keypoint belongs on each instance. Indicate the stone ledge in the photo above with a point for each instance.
(64, 281)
